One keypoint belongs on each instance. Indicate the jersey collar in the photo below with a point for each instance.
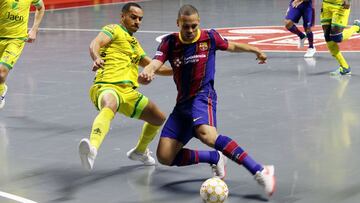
(194, 40)
(124, 28)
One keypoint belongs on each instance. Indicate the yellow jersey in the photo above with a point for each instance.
(14, 16)
(122, 56)
(335, 2)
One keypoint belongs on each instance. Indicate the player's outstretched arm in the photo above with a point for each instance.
(164, 70)
(100, 40)
(238, 47)
(39, 14)
(148, 74)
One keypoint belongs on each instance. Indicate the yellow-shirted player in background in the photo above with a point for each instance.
(334, 18)
(116, 54)
(14, 17)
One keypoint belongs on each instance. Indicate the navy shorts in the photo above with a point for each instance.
(189, 114)
(305, 11)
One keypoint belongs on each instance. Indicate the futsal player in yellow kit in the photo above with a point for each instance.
(14, 17)
(116, 54)
(334, 19)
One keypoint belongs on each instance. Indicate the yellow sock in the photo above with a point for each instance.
(2, 88)
(147, 135)
(347, 33)
(335, 52)
(101, 126)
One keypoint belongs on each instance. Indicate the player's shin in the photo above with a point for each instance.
(335, 52)
(234, 152)
(101, 127)
(147, 135)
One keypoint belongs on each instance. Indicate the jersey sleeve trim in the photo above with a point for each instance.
(107, 33)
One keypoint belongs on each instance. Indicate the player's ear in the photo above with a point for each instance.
(177, 22)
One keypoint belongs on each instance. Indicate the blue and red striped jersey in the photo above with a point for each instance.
(193, 64)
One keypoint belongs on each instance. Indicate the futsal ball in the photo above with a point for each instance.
(214, 190)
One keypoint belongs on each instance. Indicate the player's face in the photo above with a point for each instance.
(132, 19)
(189, 26)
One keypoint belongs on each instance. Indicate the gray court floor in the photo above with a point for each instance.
(288, 112)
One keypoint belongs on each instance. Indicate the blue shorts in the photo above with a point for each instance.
(305, 11)
(189, 114)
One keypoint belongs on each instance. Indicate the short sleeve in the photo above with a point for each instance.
(220, 42)
(163, 49)
(109, 30)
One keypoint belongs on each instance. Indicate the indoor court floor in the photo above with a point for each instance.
(288, 112)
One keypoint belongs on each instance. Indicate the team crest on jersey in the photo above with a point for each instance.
(177, 62)
(203, 46)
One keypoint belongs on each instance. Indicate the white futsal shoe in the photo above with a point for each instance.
(145, 157)
(219, 170)
(310, 53)
(87, 154)
(266, 178)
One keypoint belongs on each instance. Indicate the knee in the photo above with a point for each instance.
(288, 24)
(159, 119)
(207, 136)
(164, 159)
(3, 73)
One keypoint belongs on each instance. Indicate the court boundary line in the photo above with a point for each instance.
(15, 197)
(88, 6)
(168, 32)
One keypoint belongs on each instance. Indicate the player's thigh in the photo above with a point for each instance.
(10, 52)
(340, 18)
(293, 14)
(152, 114)
(326, 14)
(105, 95)
(308, 17)
(132, 103)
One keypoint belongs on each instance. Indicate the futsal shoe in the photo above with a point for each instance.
(341, 71)
(219, 170)
(87, 154)
(301, 42)
(357, 23)
(2, 98)
(266, 178)
(145, 157)
(310, 53)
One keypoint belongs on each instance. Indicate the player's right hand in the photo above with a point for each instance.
(98, 63)
(146, 76)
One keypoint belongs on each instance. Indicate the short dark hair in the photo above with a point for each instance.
(126, 7)
(187, 10)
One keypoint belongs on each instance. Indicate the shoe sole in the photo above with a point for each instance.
(271, 171)
(84, 151)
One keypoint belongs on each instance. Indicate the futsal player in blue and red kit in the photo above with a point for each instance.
(304, 9)
(191, 53)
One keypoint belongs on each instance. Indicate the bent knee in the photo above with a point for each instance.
(164, 159)
(288, 24)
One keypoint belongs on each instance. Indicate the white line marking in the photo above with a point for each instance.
(15, 197)
(86, 6)
(98, 30)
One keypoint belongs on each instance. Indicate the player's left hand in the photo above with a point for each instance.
(31, 36)
(261, 57)
(296, 3)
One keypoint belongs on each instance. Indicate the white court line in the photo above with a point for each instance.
(98, 30)
(86, 6)
(15, 197)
